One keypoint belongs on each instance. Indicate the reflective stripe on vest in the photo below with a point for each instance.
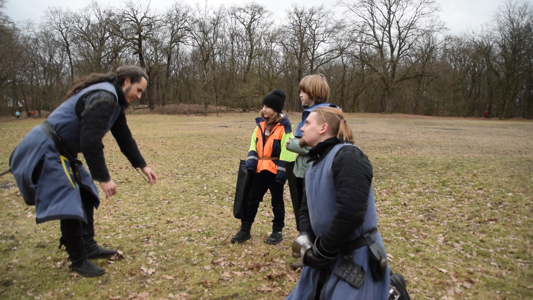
(265, 149)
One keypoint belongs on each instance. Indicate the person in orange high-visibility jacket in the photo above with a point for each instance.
(267, 157)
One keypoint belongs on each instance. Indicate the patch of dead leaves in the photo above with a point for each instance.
(146, 271)
(117, 256)
(140, 296)
(264, 289)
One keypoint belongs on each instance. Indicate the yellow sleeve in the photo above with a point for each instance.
(253, 143)
(287, 155)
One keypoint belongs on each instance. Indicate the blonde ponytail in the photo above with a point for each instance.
(338, 127)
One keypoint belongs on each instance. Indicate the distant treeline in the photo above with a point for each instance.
(380, 56)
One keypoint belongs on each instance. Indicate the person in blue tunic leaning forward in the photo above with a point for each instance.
(50, 176)
(343, 253)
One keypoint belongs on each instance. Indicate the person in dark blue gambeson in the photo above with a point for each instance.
(50, 176)
(343, 253)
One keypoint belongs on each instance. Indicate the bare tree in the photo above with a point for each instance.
(138, 27)
(512, 35)
(176, 28)
(253, 25)
(294, 39)
(97, 47)
(9, 49)
(206, 30)
(390, 29)
(389, 56)
(50, 65)
(423, 58)
(62, 24)
(272, 64)
(322, 32)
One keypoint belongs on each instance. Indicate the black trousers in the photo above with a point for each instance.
(262, 182)
(78, 235)
(75, 234)
(300, 186)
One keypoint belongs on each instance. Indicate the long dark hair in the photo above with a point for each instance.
(133, 72)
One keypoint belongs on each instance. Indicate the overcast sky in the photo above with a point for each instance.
(458, 15)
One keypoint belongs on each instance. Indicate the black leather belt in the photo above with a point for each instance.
(63, 150)
(348, 248)
(52, 134)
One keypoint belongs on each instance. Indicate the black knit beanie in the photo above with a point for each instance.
(275, 100)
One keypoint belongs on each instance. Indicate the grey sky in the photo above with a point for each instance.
(458, 15)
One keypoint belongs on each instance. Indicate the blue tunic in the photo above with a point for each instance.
(55, 194)
(320, 190)
(305, 114)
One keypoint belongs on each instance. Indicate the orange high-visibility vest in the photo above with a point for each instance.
(264, 150)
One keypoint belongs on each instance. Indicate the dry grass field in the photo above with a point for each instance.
(454, 198)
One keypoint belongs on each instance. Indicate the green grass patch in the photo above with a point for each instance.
(454, 206)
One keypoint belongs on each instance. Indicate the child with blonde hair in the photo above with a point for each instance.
(314, 93)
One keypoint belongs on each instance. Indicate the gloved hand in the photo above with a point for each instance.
(302, 243)
(319, 258)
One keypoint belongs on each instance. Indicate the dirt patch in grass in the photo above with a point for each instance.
(454, 201)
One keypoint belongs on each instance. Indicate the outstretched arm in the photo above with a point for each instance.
(122, 134)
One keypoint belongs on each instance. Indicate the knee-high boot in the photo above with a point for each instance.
(91, 247)
(75, 245)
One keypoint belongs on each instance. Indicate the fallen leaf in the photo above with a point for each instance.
(147, 272)
(265, 289)
(117, 256)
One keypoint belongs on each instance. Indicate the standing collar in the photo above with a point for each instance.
(318, 152)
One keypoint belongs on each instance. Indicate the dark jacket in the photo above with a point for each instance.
(352, 177)
(95, 110)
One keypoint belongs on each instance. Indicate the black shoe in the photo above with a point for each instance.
(99, 252)
(275, 238)
(397, 281)
(241, 237)
(87, 268)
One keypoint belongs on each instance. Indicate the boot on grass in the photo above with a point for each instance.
(244, 233)
(275, 238)
(94, 251)
(86, 268)
(80, 264)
